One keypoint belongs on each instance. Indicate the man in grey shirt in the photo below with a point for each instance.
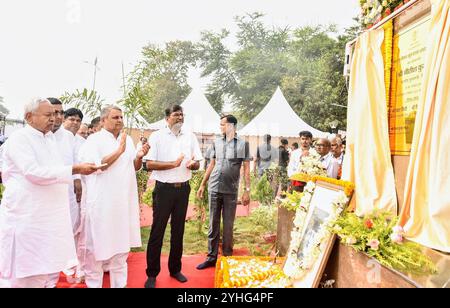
(266, 154)
(228, 154)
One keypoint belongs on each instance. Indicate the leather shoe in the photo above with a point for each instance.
(150, 283)
(206, 264)
(179, 276)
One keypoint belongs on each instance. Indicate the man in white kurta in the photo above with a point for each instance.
(112, 208)
(36, 239)
(337, 157)
(71, 143)
(66, 145)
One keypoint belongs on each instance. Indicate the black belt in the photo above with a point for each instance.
(173, 185)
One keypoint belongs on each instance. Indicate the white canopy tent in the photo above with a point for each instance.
(200, 116)
(279, 120)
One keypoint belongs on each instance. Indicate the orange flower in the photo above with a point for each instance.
(368, 223)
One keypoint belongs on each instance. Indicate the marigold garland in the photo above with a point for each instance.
(273, 274)
(348, 186)
(394, 54)
(387, 56)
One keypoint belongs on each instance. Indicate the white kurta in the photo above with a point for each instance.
(79, 141)
(331, 165)
(294, 162)
(112, 207)
(35, 226)
(67, 146)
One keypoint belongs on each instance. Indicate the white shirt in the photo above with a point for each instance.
(79, 141)
(331, 165)
(335, 165)
(138, 146)
(66, 144)
(166, 147)
(67, 147)
(35, 228)
(294, 162)
(112, 208)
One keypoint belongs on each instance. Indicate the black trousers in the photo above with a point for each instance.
(168, 201)
(221, 205)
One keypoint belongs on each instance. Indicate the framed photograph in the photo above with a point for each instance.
(309, 254)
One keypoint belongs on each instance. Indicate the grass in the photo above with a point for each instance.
(246, 235)
(194, 242)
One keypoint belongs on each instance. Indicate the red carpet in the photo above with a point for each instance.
(137, 277)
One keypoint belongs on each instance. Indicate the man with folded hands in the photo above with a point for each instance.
(112, 223)
(174, 153)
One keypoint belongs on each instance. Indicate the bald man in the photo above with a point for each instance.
(323, 147)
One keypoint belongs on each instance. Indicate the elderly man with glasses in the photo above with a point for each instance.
(36, 236)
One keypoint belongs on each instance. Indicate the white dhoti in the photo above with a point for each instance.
(40, 281)
(94, 269)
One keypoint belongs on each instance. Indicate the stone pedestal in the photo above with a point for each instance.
(284, 228)
(352, 269)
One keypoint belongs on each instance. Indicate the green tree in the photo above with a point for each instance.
(248, 77)
(160, 79)
(306, 62)
(315, 84)
(213, 58)
(88, 101)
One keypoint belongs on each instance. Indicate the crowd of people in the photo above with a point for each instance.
(71, 202)
(288, 158)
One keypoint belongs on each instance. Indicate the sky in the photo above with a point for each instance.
(48, 47)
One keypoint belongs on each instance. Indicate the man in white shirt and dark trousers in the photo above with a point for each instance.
(174, 152)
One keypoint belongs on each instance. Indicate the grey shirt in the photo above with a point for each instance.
(267, 155)
(229, 157)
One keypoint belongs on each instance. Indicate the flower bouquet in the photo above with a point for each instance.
(310, 166)
(378, 236)
(372, 11)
